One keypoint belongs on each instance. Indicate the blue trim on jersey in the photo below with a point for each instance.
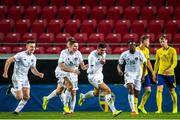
(168, 80)
(147, 82)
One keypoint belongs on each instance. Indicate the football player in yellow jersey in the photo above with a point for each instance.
(144, 44)
(166, 61)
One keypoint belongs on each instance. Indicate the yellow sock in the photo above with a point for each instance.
(136, 104)
(159, 100)
(174, 100)
(145, 97)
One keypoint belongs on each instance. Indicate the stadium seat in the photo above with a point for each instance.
(115, 13)
(176, 38)
(113, 38)
(155, 26)
(177, 50)
(122, 26)
(123, 3)
(140, 3)
(98, 13)
(74, 3)
(18, 49)
(5, 49)
(61, 38)
(171, 2)
(131, 13)
(12, 38)
(88, 26)
(57, 3)
(177, 13)
(139, 27)
(168, 36)
(16, 12)
(39, 50)
(41, 3)
(81, 37)
(148, 12)
(82, 13)
(3, 11)
(53, 50)
(131, 36)
(153, 50)
(105, 26)
(22, 26)
(49, 12)
(157, 3)
(96, 37)
(119, 50)
(8, 3)
(165, 13)
(65, 13)
(1, 37)
(107, 3)
(28, 36)
(46, 38)
(172, 26)
(86, 49)
(39, 26)
(25, 3)
(6, 26)
(90, 3)
(72, 26)
(32, 13)
(55, 26)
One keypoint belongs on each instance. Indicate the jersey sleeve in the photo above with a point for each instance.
(121, 58)
(80, 57)
(61, 57)
(148, 55)
(91, 63)
(17, 56)
(34, 62)
(174, 61)
(142, 57)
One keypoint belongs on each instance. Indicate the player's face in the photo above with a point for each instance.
(101, 51)
(163, 42)
(74, 47)
(31, 48)
(146, 42)
(132, 46)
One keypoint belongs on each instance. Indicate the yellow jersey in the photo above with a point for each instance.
(146, 54)
(165, 59)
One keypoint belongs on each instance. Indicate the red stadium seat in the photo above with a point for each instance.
(156, 26)
(165, 13)
(172, 26)
(113, 38)
(22, 26)
(25, 3)
(81, 37)
(140, 3)
(82, 12)
(3, 11)
(32, 13)
(6, 26)
(16, 12)
(1, 37)
(177, 13)
(41, 3)
(39, 50)
(115, 13)
(107, 3)
(62, 37)
(87, 49)
(122, 26)
(176, 38)
(90, 3)
(171, 2)
(65, 13)
(168, 36)
(28, 36)
(123, 3)
(72, 26)
(39, 26)
(49, 12)
(119, 50)
(95, 38)
(177, 50)
(57, 3)
(18, 49)
(55, 26)
(74, 3)
(157, 3)
(153, 50)
(148, 12)
(98, 13)
(105, 26)
(88, 26)
(128, 37)
(12, 38)
(46, 38)
(131, 13)
(8, 3)
(5, 49)
(139, 27)
(53, 50)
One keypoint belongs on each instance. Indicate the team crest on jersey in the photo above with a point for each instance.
(75, 58)
(136, 58)
(32, 60)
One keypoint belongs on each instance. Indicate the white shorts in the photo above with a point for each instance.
(95, 79)
(133, 78)
(20, 83)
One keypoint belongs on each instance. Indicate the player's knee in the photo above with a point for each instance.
(108, 91)
(26, 97)
(19, 97)
(148, 91)
(96, 94)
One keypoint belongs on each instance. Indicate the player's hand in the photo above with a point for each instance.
(76, 71)
(41, 75)
(142, 79)
(102, 61)
(120, 73)
(85, 67)
(5, 75)
(154, 77)
(167, 72)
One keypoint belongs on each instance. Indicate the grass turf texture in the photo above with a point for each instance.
(86, 115)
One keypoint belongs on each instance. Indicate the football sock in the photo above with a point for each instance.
(20, 106)
(52, 95)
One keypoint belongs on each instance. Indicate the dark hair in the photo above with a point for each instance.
(102, 45)
(162, 37)
(31, 41)
(71, 40)
(143, 38)
(131, 41)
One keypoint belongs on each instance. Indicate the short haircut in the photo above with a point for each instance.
(143, 38)
(163, 37)
(131, 41)
(71, 40)
(102, 45)
(31, 41)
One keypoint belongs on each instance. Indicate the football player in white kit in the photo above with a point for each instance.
(67, 74)
(24, 61)
(96, 60)
(134, 75)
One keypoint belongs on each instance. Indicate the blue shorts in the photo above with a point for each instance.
(147, 82)
(170, 81)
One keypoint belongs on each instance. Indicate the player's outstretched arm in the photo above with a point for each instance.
(6, 67)
(36, 72)
(120, 72)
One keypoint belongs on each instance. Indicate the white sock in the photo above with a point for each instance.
(72, 103)
(13, 91)
(62, 97)
(53, 94)
(67, 97)
(110, 102)
(131, 101)
(20, 106)
(88, 95)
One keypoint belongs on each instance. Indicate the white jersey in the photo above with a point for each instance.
(23, 62)
(132, 61)
(70, 60)
(95, 66)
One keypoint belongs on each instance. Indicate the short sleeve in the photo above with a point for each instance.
(62, 57)
(17, 56)
(34, 62)
(142, 57)
(121, 58)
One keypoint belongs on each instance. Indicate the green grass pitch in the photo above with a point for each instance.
(86, 115)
